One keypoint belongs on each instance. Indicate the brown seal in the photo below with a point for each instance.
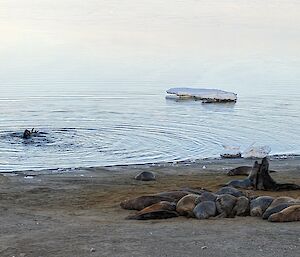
(161, 210)
(291, 213)
(142, 202)
(186, 205)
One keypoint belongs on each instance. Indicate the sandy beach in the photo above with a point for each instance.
(78, 214)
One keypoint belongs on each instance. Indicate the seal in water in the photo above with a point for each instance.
(28, 133)
(291, 213)
(259, 205)
(186, 205)
(145, 176)
(205, 209)
(161, 210)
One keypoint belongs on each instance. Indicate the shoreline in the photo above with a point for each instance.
(78, 214)
(182, 163)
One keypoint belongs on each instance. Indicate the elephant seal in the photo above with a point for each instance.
(259, 205)
(225, 204)
(231, 191)
(161, 210)
(142, 202)
(205, 209)
(28, 133)
(145, 176)
(206, 196)
(291, 213)
(249, 182)
(174, 195)
(242, 170)
(186, 205)
(276, 209)
(242, 206)
(278, 205)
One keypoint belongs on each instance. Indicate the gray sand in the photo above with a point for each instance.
(78, 214)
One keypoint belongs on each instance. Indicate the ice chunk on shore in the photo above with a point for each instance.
(207, 95)
(231, 152)
(257, 151)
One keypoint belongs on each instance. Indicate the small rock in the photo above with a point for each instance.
(204, 247)
(92, 250)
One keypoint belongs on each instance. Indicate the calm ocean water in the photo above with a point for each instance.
(92, 76)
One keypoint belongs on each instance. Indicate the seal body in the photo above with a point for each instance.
(242, 206)
(142, 202)
(225, 204)
(206, 196)
(241, 183)
(259, 205)
(231, 191)
(205, 209)
(242, 170)
(145, 176)
(278, 205)
(291, 213)
(161, 210)
(186, 205)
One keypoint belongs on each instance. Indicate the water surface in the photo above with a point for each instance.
(92, 76)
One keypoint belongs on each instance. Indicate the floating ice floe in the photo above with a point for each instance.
(250, 152)
(257, 151)
(231, 152)
(206, 95)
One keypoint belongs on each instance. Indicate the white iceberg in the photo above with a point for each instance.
(231, 152)
(257, 151)
(207, 95)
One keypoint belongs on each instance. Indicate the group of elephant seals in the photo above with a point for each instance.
(278, 205)
(226, 203)
(259, 178)
(29, 133)
(145, 176)
(259, 205)
(289, 214)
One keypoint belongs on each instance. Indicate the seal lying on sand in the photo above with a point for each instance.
(142, 202)
(291, 213)
(231, 191)
(259, 205)
(242, 207)
(205, 209)
(28, 133)
(145, 176)
(242, 170)
(186, 205)
(278, 205)
(225, 204)
(161, 210)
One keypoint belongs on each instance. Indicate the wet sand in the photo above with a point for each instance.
(78, 214)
